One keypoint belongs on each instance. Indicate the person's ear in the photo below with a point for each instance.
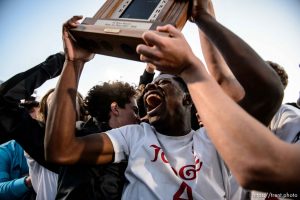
(114, 108)
(187, 100)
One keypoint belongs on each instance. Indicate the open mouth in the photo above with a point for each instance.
(153, 101)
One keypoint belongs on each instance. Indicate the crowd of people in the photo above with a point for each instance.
(207, 131)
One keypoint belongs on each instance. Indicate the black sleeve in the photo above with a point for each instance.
(22, 85)
(146, 78)
(15, 122)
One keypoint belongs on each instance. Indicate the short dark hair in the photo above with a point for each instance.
(182, 84)
(178, 79)
(284, 78)
(100, 97)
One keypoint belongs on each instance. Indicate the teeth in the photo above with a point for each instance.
(153, 100)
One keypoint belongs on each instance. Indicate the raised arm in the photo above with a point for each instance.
(21, 86)
(15, 122)
(147, 75)
(145, 78)
(217, 66)
(254, 155)
(61, 145)
(263, 91)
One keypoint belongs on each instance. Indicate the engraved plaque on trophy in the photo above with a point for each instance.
(117, 27)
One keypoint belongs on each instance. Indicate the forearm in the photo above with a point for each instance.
(60, 128)
(146, 78)
(234, 50)
(61, 144)
(13, 189)
(22, 85)
(218, 68)
(252, 153)
(261, 84)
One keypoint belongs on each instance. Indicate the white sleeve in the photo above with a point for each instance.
(123, 139)
(120, 145)
(286, 123)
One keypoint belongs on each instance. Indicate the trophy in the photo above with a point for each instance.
(117, 27)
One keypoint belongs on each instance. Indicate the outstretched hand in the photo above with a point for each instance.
(169, 54)
(72, 51)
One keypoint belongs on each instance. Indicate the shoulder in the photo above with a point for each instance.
(285, 114)
(285, 123)
(10, 146)
(128, 129)
(10, 151)
(201, 133)
(130, 133)
(285, 108)
(203, 140)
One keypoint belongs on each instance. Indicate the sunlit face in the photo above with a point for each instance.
(129, 114)
(163, 100)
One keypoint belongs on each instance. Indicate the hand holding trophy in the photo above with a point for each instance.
(117, 27)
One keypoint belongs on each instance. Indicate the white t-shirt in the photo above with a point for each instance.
(44, 181)
(167, 167)
(286, 123)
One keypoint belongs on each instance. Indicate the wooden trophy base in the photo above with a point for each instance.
(110, 33)
(118, 40)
